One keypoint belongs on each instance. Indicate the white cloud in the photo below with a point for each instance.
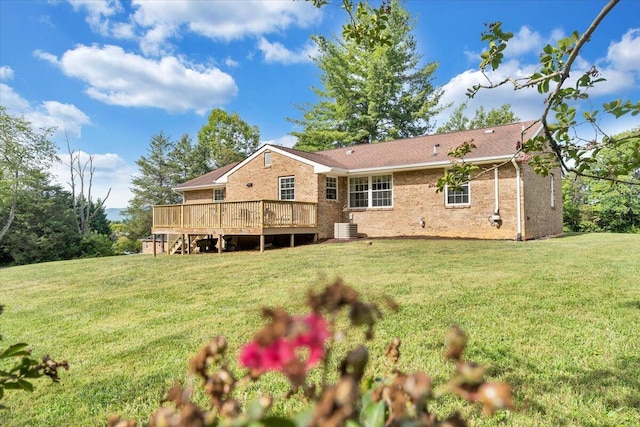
(157, 22)
(116, 77)
(48, 114)
(526, 104)
(14, 103)
(276, 52)
(153, 42)
(64, 117)
(284, 141)
(98, 13)
(231, 63)
(111, 173)
(6, 73)
(523, 42)
(620, 68)
(625, 54)
(226, 20)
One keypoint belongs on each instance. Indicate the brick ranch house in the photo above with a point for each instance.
(380, 190)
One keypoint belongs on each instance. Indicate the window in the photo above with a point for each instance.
(371, 191)
(359, 192)
(267, 159)
(287, 187)
(332, 188)
(218, 195)
(381, 190)
(457, 196)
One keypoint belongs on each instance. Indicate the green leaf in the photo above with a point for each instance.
(373, 414)
(255, 410)
(303, 419)
(278, 422)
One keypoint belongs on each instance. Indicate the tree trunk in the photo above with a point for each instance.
(12, 215)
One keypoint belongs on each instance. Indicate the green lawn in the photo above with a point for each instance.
(559, 319)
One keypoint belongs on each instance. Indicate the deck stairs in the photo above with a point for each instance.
(176, 243)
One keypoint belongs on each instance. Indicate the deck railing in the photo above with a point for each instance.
(253, 214)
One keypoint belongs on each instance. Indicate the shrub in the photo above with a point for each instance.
(96, 245)
(294, 345)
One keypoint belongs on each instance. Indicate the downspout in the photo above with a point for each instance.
(496, 191)
(518, 209)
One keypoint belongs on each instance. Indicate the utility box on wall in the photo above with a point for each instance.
(345, 230)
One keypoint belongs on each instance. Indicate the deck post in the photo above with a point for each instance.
(219, 244)
(261, 213)
(189, 244)
(293, 240)
(261, 243)
(154, 245)
(183, 249)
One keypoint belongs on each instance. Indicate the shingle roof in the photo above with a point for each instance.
(491, 143)
(207, 179)
(499, 141)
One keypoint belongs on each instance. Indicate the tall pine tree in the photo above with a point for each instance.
(153, 186)
(371, 92)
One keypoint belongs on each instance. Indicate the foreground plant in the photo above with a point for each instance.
(294, 345)
(23, 369)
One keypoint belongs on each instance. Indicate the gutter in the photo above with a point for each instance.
(518, 208)
(421, 166)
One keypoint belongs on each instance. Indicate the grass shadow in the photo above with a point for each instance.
(631, 304)
(617, 386)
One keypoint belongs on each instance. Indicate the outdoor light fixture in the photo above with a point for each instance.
(249, 184)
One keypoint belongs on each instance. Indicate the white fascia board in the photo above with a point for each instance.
(330, 171)
(430, 165)
(198, 187)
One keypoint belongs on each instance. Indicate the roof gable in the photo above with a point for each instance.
(208, 180)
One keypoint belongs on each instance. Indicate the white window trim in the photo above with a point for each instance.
(446, 196)
(282, 178)
(370, 192)
(336, 188)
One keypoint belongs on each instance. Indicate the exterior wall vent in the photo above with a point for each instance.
(349, 152)
(488, 131)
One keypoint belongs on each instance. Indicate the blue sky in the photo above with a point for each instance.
(112, 73)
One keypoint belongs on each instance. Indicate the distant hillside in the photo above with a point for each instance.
(113, 214)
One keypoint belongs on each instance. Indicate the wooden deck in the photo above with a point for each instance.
(259, 218)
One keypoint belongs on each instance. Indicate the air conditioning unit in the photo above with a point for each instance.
(345, 230)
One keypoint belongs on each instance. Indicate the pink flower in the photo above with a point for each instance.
(314, 339)
(274, 357)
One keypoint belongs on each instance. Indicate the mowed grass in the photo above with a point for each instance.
(559, 319)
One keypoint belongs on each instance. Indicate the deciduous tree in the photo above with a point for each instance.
(370, 91)
(561, 141)
(481, 119)
(81, 183)
(226, 138)
(24, 152)
(592, 204)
